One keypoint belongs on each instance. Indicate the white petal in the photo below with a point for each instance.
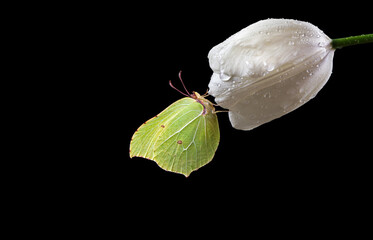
(269, 69)
(281, 98)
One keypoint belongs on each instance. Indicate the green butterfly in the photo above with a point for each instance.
(182, 138)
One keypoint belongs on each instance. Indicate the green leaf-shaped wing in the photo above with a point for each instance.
(182, 138)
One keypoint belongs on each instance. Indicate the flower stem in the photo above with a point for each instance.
(350, 41)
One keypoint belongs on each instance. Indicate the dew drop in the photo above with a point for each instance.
(224, 77)
(270, 67)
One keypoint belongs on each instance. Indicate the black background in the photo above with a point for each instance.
(314, 161)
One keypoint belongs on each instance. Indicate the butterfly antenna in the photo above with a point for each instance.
(181, 80)
(183, 83)
(177, 89)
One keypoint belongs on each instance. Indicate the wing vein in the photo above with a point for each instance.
(179, 129)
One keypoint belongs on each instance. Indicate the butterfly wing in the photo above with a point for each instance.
(180, 139)
(144, 139)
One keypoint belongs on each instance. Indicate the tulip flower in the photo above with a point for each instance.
(270, 68)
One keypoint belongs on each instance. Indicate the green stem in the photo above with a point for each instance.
(350, 41)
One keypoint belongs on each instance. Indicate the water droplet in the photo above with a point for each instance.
(224, 77)
(219, 85)
(291, 43)
(267, 95)
(270, 67)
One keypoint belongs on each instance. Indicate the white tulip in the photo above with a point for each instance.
(268, 69)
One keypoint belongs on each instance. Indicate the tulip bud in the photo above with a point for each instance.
(269, 69)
